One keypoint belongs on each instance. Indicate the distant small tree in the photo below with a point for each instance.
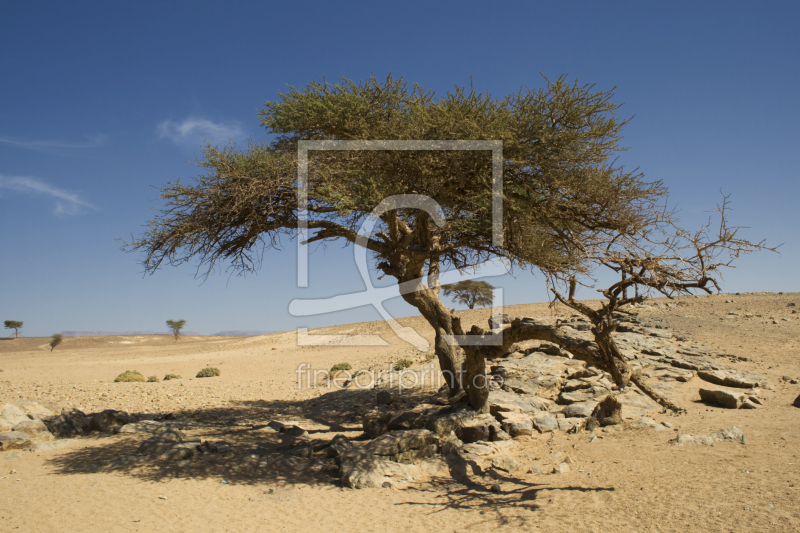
(15, 325)
(55, 340)
(470, 293)
(176, 326)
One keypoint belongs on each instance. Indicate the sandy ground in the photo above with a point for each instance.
(626, 481)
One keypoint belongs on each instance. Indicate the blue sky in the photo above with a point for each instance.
(100, 101)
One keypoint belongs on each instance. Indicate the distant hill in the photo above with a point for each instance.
(241, 332)
(110, 333)
(229, 333)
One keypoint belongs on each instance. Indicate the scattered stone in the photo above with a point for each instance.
(12, 440)
(796, 402)
(733, 434)
(108, 420)
(35, 429)
(70, 423)
(505, 462)
(735, 378)
(579, 409)
(384, 397)
(608, 411)
(562, 468)
(339, 445)
(516, 424)
(496, 488)
(544, 422)
(723, 398)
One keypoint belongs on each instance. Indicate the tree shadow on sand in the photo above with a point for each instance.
(242, 425)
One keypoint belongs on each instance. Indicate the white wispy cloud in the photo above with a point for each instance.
(67, 203)
(196, 131)
(47, 145)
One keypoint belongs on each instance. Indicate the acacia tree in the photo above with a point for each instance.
(470, 292)
(55, 340)
(560, 184)
(176, 326)
(16, 325)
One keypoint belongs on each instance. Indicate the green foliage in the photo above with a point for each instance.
(430, 356)
(561, 183)
(171, 376)
(341, 366)
(470, 292)
(55, 340)
(176, 326)
(152, 379)
(13, 324)
(402, 364)
(129, 375)
(208, 372)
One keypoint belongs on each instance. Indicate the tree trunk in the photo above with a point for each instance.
(426, 300)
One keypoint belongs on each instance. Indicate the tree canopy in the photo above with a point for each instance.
(176, 326)
(561, 185)
(470, 292)
(16, 325)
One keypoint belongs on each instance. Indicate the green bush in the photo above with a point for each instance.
(208, 372)
(403, 363)
(152, 379)
(171, 376)
(130, 375)
(430, 357)
(341, 366)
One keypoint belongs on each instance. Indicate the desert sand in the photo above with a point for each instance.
(631, 480)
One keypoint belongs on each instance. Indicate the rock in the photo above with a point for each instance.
(544, 422)
(375, 423)
(644, 423)
(277, 426)
(447, 420)
(339, 444)
(416, 418)
(35, 429)
(384, 397)
(296, 431)
(750, 404)
(505, 462)
(480, 427)
(108, 420)
(161, 442)
(733, 434)
(11, 440)
(570, 424)
(497, 321)
(579, 409)
(296, 464)
(379, 461)
(796, 402)
(735, 378)
(723, 398)
(582, 395)
(502, 401)
(35, 410)
(562, 468)
(521, 387)
(145, 426)
(575, 384)
(608, 411)
(70, 423)
(11, 415)
(516, 424)
(180, 452)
